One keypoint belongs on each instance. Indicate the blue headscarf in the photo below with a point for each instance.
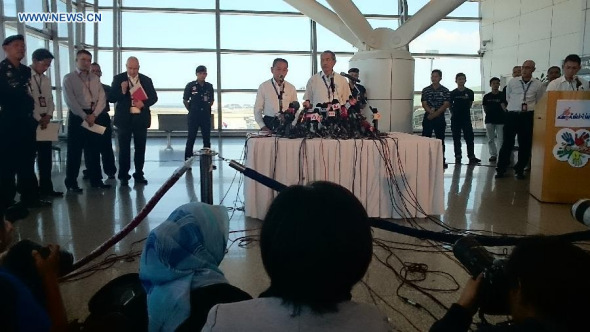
(182, 254)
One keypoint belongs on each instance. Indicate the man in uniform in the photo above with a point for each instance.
(17, 129)
(435, 101)
(133, 94)
(273, 95)
(461, 101)
(357, 90)
(198, 98)
(326, 85)
(44, 107)
(105, 144)
(86, 100)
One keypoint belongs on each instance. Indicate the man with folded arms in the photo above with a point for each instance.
(86, 99)
(133, 94)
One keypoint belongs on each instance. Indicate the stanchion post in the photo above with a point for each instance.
(206, 165)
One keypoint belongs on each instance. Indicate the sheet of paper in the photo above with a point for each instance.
(95, 128)
(48, 134)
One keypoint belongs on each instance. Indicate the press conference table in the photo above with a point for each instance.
(400, 168)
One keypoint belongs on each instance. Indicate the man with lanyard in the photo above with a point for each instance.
(17, 130)
(85, 98)
(105, 143)
(273, 95)
(134, 94)
(358, 91)
(326, 85)
(461, 102)
(522, 95)
(198, 98)
(44, 107)
(435, 100)
(569, 81)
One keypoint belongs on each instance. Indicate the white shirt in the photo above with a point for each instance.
(81, 90)
(41, 87)
(318, 89)
(267, 100)
(515, 93)
(561, 84)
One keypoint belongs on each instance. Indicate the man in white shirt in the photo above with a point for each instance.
(522, 94)
(43, 112)
(569, 81)
(273, 95)
(86, 99)
(326, 85)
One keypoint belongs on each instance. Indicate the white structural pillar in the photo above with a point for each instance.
(386, 67)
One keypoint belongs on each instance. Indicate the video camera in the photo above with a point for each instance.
(493, 294)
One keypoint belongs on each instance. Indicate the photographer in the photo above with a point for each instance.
(548, 291)
(19, 309)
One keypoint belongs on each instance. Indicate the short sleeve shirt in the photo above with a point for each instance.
(435, 97)
(461, 103)
(494, 111)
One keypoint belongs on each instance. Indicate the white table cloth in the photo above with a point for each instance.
(359, 165)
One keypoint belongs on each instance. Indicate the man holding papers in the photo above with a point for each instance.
(86, 99)
(44, 106)
(133, 94)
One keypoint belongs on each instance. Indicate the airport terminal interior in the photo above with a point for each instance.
(412, 281)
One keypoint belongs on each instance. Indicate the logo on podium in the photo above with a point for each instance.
(572, 113)
(573, 146)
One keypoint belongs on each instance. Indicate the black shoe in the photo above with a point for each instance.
(38, 203)
(474, 160)
(493, 158)
(140, 179)
(100, 185)
(73, 187)
(520, 176)
(16, 212)
(51, 193)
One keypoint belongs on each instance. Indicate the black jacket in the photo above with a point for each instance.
(123, 101)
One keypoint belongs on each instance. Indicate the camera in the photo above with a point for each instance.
(493, 294)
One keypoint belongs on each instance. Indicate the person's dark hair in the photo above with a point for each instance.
(353, 70)
(573, 58)
(494, 79)
(553, 278)
(200, 69)
(95, 64)
(277, 60)
(458, 75)
(316, 244)
(331, 53)
(42, 54)
(554, 67)
(438, 71)
(83, 52)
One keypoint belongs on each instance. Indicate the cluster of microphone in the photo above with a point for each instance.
(328, 120)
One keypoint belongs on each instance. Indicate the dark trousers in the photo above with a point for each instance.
(138, 130)
(105, 145)
(17, 148)
(81, 140)
(196, 120)
(44, 164)
(437, 125)
(458, 125)
(521, 124)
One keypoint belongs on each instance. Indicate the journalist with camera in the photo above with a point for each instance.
(544, 283)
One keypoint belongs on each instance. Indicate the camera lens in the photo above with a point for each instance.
(581, 211)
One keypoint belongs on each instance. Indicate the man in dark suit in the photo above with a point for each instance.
(133, 94)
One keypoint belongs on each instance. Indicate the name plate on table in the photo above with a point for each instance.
(572, 113)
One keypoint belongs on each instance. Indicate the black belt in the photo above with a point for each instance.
(88, 111)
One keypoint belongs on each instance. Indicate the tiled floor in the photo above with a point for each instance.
(473, 200)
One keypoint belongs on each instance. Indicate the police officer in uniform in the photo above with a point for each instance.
(17, 128)
(198, 98)
(358, 91)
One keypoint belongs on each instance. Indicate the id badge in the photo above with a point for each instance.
(524, 107)
(42, 102)
(205, 98)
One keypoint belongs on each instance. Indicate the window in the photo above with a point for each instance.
(258, 5)
(448, 37)
(329, 41)
(34, 6)
(467, 9)
(32, 44)
(187, 4)
(9, 8)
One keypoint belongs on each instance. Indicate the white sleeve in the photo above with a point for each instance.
(308, 95)
(259, 106)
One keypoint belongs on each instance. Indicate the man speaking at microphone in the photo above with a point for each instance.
(273, 96)
(326, 85)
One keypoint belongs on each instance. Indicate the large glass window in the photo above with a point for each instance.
(258, 5)
(10, 8)
(448, 37)
(168, 30)
(32, 44)
(467, 9)
(264, 33)
(186, 4)
(34, 6)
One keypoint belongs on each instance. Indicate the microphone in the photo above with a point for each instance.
(354, 79)
(581, 211)
(281, 78)
(332, 86)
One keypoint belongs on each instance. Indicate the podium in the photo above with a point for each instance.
(560, 163)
